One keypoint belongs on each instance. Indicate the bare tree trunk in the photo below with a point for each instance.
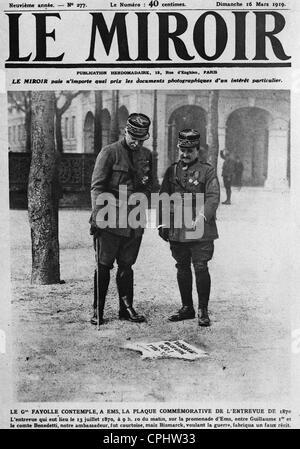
(28, 113)
(28, 130)
(212, 127)
(58, 134)
(114, 124)
(98, 122)
(42, 191)
(59, 111)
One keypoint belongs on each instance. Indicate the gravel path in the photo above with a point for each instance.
(59, 356)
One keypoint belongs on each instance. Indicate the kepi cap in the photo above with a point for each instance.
(138, 126)
(188, 138)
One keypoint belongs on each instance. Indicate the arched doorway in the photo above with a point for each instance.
(106, 119)
(88, 133)
(247, 135)
(184, 117)
(122, 116)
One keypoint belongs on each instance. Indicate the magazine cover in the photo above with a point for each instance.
(149, 217)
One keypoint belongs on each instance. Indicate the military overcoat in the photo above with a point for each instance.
(199, 177)
(117, 165)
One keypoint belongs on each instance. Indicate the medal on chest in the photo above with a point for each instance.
(193, 178)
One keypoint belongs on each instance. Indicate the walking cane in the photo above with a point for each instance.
(97, 283)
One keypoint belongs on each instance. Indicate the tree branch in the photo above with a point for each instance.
(69, 98)
(17, 104)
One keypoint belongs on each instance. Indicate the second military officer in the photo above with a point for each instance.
(191, 175)
(228, 170)
(126, 164)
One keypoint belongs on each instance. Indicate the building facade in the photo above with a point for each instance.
(254, 124)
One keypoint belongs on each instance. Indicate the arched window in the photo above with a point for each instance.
(123, 116)
(192, 116)
(247, 136)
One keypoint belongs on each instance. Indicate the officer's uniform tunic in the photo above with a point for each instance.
(198, 177)
(118, 165)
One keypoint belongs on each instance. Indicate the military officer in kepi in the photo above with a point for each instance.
(123, 163)
(228, 170)
(192, 175)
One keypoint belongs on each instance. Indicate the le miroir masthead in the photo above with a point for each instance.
(210, 36)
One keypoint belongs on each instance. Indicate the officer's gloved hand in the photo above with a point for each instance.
(164, 233)
(94, 230)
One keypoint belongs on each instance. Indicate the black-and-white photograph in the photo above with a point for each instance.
(146, 314)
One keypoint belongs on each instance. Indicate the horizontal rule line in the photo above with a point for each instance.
(24, 65)
(142, 10)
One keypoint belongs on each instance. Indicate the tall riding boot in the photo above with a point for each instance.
(185, 284)
(104, 278)
(124, 280)
(203, 283)
(125, 288)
